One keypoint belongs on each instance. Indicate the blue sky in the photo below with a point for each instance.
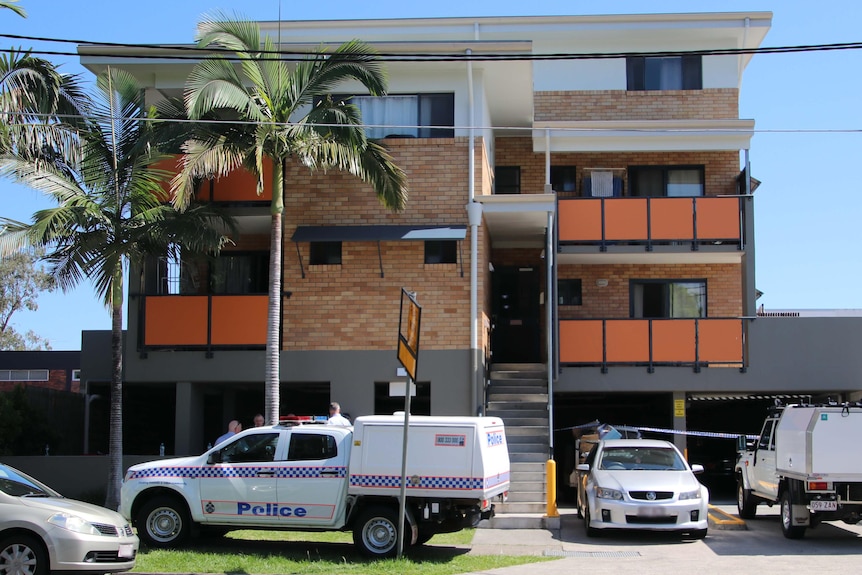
(806, 210)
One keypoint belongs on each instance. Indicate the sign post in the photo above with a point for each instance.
(408, 355)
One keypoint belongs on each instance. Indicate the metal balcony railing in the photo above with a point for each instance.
(203, 321)
(694, 342)
(651, 221)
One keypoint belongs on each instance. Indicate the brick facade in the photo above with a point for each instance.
(592, 105)
(350, 306)
(720, 167)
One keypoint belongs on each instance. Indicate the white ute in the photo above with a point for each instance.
(312, 477)
(804, 458)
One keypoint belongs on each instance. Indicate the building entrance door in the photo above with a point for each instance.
(515, 312)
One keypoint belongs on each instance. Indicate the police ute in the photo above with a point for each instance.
(302, 475)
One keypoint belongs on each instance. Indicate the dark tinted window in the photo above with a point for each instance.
(308, 446)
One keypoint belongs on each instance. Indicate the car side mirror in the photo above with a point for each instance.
(697, 468)
(583, 467)
(742, 443)
(214, 457)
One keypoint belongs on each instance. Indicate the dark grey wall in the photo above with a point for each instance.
(803, 354)
(351, 374)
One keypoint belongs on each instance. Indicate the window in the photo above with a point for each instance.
(240, 273)
(385, 404)
(563, 179)
(406, 116)
(507, 180)
(311, 447)
(325, 253)
(250, 448)
(23, 375)
(664, 73)
(569, 292)
(668, 299)
(441, 252)
(765, 441)
(673, 181)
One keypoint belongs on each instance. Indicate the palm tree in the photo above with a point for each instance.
(112, 210)
(285, 114)
(10, 5)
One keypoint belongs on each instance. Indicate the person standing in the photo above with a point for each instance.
(335, 417)
(233, 428)
(258, 420)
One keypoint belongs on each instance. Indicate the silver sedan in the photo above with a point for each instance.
(641, 484)
(42, 531)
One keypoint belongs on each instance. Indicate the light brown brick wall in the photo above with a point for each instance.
(720, 167)
(350, 307)
(709, 104)
(723, 285)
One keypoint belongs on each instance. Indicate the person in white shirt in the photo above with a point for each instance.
(335, 417)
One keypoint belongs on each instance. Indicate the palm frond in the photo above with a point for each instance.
(232, 32)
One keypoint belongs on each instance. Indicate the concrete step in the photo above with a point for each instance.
(538, 447)
(536, 520)
(506, 414)
(527, 467)
(527, 430)
(520, 507)
(528, 457)
(511, 381)
(516, 387)
(517, 421)
(531, 367)
(531, 438)
(526, 496)
(526, 477)
(529, 398)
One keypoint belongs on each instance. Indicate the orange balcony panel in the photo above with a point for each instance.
(671, 219)
(175, 320)
(581, 341)
(673, 341)
(172, 166)
(239, 320)
(240, 186)
(627, 340)
(626, 219)
(717, 218)
(580, 220)
(720, 340)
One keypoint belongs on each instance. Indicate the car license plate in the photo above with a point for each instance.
(819, 505)
(651, 511)
(126, 551)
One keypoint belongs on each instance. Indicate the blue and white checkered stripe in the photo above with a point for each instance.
(394, 481)
(220, 471)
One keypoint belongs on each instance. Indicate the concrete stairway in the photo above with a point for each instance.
(518, 394)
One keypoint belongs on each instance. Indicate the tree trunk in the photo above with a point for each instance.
(115, 441)
(273, 320)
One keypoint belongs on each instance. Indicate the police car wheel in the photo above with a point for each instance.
(23, 555)
(163, 522)
(375, 533)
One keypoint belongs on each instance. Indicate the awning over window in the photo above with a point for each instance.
(377, 233)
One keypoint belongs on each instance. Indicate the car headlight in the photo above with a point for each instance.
(605, 493)
(73, 523)
(689, 495)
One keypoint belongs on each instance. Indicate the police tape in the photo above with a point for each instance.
(714, 434)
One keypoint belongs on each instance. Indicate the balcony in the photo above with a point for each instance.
(695, 342)
(696, 223)
(204, 321)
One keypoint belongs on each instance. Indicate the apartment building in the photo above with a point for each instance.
(579, 234)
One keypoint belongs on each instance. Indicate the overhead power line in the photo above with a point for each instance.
(101, 117)
(296, 55)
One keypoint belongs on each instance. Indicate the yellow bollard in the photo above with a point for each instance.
(551, 478)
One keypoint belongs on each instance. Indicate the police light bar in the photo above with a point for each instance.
(301, 419)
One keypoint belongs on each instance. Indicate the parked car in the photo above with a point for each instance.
(641, 484)
(42, 531)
